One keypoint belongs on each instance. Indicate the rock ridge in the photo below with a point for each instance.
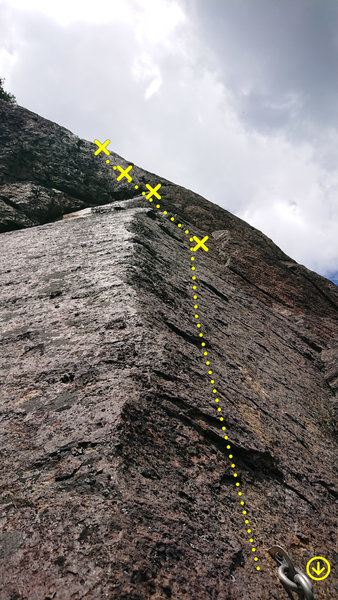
(115, 476)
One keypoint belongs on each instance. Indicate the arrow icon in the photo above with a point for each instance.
(317, 569)
(316, 572)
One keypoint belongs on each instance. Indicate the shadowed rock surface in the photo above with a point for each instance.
(115, 476)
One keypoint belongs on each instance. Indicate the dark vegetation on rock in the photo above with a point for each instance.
(6, 96)
(115, 479)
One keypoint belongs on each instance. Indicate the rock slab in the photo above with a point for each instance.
(116, 480)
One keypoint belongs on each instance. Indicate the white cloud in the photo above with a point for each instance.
(145, 69)
(65, 12)
(138, 73)
(152, 20)
(153, 87)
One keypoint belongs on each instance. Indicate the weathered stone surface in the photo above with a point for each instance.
(115, 476)
(46, 171)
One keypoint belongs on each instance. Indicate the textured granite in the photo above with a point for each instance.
(115, 477)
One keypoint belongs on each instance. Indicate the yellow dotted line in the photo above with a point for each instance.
(219, 409)
(212, 382)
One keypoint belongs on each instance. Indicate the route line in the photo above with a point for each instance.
(200, 244)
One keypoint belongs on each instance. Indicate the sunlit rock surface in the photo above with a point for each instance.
(115, 476)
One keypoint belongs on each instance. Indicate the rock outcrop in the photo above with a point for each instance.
(115, 474)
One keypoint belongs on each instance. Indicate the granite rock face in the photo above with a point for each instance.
(46, 171)
(116, 480)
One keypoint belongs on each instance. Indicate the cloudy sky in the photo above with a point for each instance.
(234, 99)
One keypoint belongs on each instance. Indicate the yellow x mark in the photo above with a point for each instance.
(200, 244)
(152, 191)
(101, 147)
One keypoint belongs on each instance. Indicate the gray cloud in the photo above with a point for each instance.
(282, 53)
(233, 102)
